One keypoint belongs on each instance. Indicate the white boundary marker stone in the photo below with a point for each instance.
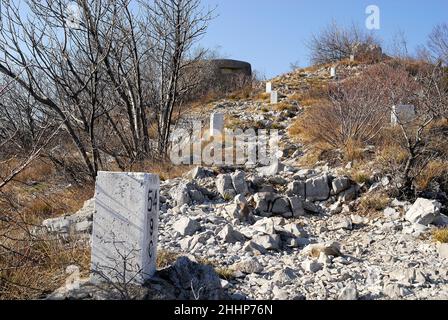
(402, 114)
(352, 58)
(333, 72)
(216, 124)
(274, 97)
(125, 227)
(268, 87)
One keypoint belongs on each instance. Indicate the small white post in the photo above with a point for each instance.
(268, 87)
(333, 72)
(274, 97)
(216, 124)
(402, 114)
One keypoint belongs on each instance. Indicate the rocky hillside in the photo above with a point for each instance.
(285, 231)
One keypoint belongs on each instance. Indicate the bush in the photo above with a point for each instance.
(335, 43)
(441, 235)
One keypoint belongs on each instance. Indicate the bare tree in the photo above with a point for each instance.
(438, 43)
(105, 73)
(418, 136)
(176, 26)
(336, 42)
(357, 109)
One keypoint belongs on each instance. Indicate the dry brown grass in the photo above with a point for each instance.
(440, 235)
(360, 176)
(377, 202)
(434, 170)
(285, 106)
(310, 158)
(166, 258)
(242, 94)
(353, 151)
(31, 268)
(262, 96)
(39, 170)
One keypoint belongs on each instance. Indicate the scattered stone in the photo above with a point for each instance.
(340, 184)
(349, 293)
(186, 193)
(268, 242)
(229, 235)
(199, 173)
(281, 206)
(265, 225)
(186, 226)
(224, 184)
(295, 229)
(344, 223)
(296, 188)
(393, 290)
(424, 211)
(248, 266)
(239, 183)
(275, 168)
(391, 214)
(297, 207)
(317, 188)
(358, 220)
(312, 266)
(194, 280)
(284, 276)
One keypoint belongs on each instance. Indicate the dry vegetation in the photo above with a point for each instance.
(441, 235)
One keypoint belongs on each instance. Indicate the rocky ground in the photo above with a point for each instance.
(285, 232)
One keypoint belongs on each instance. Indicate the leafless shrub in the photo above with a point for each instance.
(105, 77)
(337, 42)
(356, 110)
(438, 43)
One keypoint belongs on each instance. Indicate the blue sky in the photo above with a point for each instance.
(271, 34)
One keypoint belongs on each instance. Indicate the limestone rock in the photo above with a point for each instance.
(265, 225)
(284, 276)
(80, 222)
(224, 184)
(194, 280)
(297, 207)
(248, 266)
(280, 206)
(275, 168)
(186, 226)
(312, 266)
(229, 235)
(349, 293)
(186, 193)
(268, 242)
(340, 184)
(239, 182)
(424, 211)
(317, 188)
(296, 188)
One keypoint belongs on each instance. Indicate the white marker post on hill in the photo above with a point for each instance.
(216, 124)
(274, 97)
(125, 227)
